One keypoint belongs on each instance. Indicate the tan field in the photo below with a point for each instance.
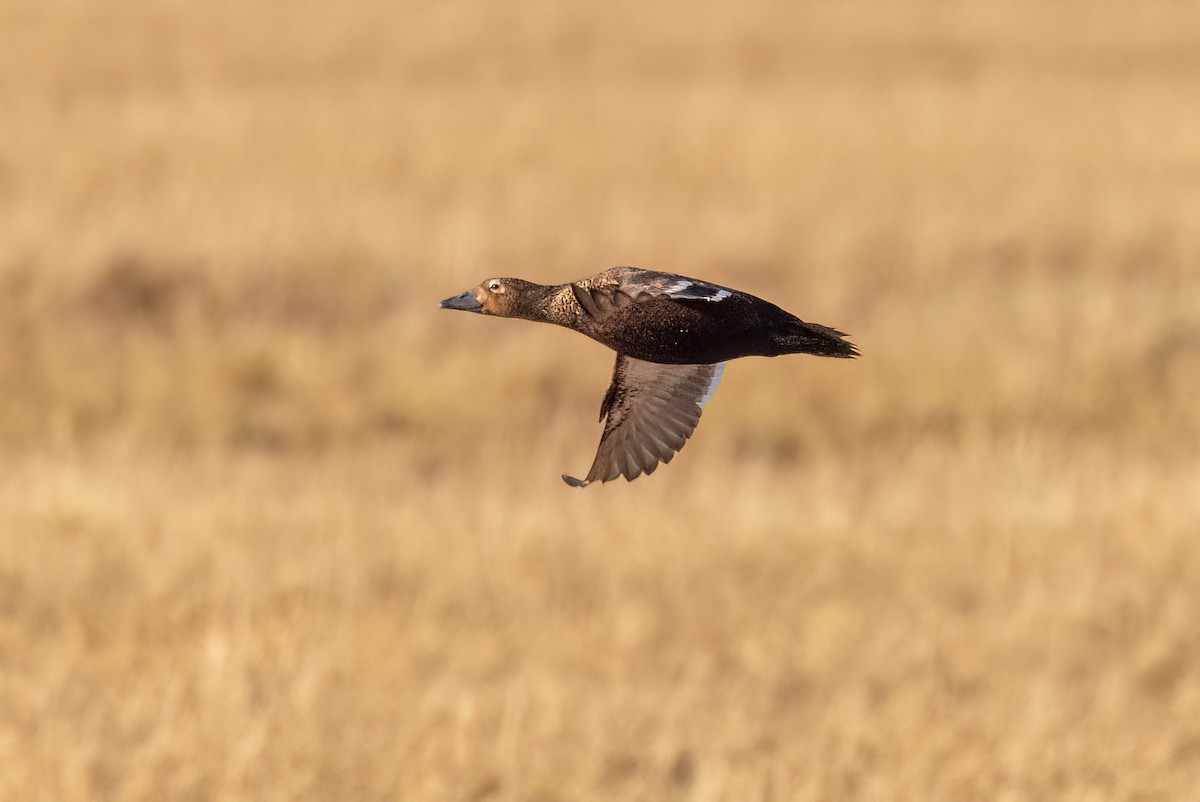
(275, 527)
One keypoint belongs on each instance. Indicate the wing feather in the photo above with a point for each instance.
(616, 289)
(649, 412)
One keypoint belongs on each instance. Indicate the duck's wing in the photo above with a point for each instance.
(622, 286)
(649, 412)
(652, 284)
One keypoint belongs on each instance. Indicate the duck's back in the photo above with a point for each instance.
(666, 318)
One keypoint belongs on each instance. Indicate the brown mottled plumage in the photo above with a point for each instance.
(672, 335)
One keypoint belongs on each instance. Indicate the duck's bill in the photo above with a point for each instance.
(467, 302)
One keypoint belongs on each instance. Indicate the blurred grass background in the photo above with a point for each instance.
(272, 526)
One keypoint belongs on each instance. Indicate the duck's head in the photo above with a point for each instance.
(502, 297)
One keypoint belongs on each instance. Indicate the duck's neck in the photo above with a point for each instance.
(540, 302)
(560, 307)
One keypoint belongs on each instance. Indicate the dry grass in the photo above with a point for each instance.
(273, 527)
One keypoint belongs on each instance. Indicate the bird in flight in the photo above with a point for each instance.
(673, 336)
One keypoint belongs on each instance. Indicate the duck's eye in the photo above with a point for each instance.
(495, 286)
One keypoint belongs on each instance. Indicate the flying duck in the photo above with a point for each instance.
(673, 336)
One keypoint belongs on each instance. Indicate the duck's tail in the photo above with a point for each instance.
(813, 338)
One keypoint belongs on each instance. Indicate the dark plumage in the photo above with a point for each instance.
(672, 335)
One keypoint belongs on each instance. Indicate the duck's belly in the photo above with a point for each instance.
(692, 334)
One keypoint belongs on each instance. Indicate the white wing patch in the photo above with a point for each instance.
(691, 291)
(718, 374)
